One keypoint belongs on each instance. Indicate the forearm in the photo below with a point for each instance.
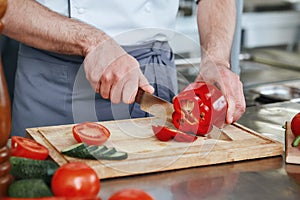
(216, 23)
(33, 24)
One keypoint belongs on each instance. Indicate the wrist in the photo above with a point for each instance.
(90, 41)
(216, 61)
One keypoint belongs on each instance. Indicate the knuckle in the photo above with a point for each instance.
(105, 78)
(117, 77)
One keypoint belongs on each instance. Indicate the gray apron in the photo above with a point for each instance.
(44, 87)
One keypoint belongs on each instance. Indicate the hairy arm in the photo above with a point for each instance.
(216, 23)
(33, 24)
(110, 70)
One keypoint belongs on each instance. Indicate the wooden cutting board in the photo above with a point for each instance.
(147, 154)
(292, 154)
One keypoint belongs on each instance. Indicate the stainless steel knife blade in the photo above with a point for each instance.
(154, 105)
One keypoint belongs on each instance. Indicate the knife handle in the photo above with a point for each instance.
(139, 95)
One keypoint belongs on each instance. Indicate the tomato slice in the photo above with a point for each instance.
(91, 133)
(28, 148)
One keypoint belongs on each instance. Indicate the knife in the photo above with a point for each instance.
(154, 105)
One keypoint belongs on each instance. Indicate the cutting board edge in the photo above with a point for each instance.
(290, 153)
(275, 148)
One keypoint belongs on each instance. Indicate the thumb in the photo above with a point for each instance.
(230, 112)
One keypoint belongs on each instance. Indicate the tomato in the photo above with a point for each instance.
(91, 133)
(75, 179)
(295, 125)
(131, 194)
(28, 148)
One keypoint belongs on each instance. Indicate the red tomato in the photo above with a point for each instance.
(131, 194)
(91, 133)
(28, 148)
(295, 125)
(75, 179)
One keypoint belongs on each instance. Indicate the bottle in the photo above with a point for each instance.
(5, 124)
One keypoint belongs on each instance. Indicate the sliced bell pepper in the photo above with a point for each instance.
(198, 107)
(165, 134)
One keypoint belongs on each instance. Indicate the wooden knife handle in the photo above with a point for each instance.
(139, 95)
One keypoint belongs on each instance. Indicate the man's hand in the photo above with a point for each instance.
(114, 74)
(219, 74)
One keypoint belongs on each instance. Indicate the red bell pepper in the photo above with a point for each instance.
(165, 134)
(198, 107)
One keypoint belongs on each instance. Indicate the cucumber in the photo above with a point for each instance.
(99, 149)
(92, 148)
(94, 152)
(25, 168)
(79, 150)
(74, 148)
(104, 154)
(116, 156)
(29, 188)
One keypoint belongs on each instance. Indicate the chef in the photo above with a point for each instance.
(123, 46)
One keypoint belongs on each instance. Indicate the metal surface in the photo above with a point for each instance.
(269, 178)
(256, 74)
(154, 105)
(277, 92)
(269, 119)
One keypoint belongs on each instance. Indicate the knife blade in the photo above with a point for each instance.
(154, 105)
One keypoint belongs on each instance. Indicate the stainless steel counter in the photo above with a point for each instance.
(265, 179)
(268, 178)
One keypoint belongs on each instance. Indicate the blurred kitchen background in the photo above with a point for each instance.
(266, 52)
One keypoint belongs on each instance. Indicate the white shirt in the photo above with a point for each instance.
(127, 21)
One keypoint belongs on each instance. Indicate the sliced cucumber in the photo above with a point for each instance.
(105, 153)
(92, 148)
(81, 150)
(78, 150)
(74, 148)
(116, 156)
(98, 151)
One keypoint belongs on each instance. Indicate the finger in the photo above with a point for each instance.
(240, 106)
(129, 91)
(144, 84)
(117, 89)
(236, 106)
(230, 111)
(105, 86)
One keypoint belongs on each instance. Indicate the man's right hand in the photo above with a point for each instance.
(114, 74)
